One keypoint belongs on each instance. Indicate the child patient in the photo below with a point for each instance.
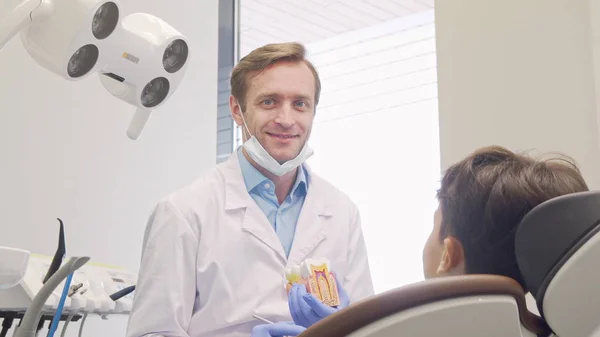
(482, 199)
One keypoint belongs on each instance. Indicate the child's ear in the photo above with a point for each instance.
(452, 261)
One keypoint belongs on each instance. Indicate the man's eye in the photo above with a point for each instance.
(268, 102)
(301, 104)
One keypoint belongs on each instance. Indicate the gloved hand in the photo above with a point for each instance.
(306, 309)
(279, 329)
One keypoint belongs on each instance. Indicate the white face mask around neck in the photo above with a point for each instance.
(258, 153)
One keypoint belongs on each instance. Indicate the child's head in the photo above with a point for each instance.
(482, 200)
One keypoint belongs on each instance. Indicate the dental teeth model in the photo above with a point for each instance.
(315, 274)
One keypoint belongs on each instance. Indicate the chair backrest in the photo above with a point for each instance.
(558, 251)
(465, 306)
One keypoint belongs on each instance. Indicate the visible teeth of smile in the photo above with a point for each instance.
(284, 136)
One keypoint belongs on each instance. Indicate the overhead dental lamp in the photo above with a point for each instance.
(140, 58)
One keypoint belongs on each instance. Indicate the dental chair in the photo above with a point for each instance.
(461, 306)
(558, 251)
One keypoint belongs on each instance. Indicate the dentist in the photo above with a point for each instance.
(215, 252)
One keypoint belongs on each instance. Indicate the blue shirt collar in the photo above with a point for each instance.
(253, 177)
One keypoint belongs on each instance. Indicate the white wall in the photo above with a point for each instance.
(65, 153)
(378, 109)
(518, 74)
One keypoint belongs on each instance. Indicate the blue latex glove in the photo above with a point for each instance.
(307, 310)
(277, 330)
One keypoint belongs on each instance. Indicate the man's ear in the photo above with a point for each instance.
(236, 110)
(453, 258)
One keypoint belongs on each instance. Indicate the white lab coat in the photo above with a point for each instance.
(211, 259)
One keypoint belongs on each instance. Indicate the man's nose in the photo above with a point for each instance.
(285, 116)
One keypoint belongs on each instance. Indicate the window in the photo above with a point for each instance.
(376, 136)
(376, 130)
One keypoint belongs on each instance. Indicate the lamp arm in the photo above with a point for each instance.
(138, 122)
(17, 18)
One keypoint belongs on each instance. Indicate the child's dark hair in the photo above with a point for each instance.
(484, 197)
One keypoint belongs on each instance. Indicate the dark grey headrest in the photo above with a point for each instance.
(551, 233)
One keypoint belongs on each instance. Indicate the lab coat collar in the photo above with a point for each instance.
(309, 229)
(236, 192)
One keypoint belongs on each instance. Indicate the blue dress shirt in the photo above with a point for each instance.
(282, 217)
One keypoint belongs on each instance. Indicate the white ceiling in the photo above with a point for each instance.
(267, 21)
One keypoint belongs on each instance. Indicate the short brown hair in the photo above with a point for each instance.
(484, 197)
(263, 57)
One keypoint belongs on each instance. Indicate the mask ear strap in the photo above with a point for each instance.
(245, 126)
